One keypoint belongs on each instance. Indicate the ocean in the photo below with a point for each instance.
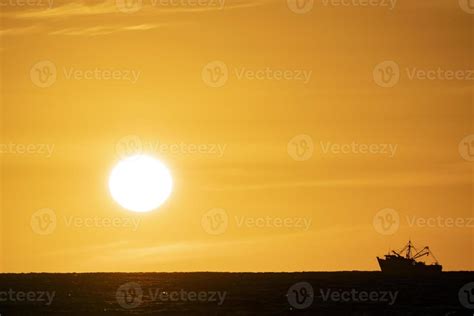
(207, 293)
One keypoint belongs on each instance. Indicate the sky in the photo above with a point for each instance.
(300, 135)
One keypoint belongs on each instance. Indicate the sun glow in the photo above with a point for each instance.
(140, 183)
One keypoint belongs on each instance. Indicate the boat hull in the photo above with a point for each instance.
(407, 266)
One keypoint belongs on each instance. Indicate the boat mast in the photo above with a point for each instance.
(409, 250)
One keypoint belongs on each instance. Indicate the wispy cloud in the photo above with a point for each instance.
(150, 7)
(80, 31)
(136, 256)
(19, 30)
(70, 18)
(104, 30)
(454, 175)
(70, 10)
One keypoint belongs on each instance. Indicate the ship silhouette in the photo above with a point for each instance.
(406, 261)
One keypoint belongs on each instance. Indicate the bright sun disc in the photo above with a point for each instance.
(140, 183)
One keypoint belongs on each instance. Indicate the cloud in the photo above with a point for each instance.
(140, 255)
(145, 7)
(19, 30)
(70, 10)
(80, 31)
(69, 18)
(104, 30)
(455, 175)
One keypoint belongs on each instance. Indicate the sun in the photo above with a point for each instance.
(140, 183)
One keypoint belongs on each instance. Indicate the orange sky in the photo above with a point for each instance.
(228, 89)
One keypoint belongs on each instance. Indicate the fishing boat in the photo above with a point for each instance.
(406, 261)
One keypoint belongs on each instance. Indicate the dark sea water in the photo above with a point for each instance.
(309, 293)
